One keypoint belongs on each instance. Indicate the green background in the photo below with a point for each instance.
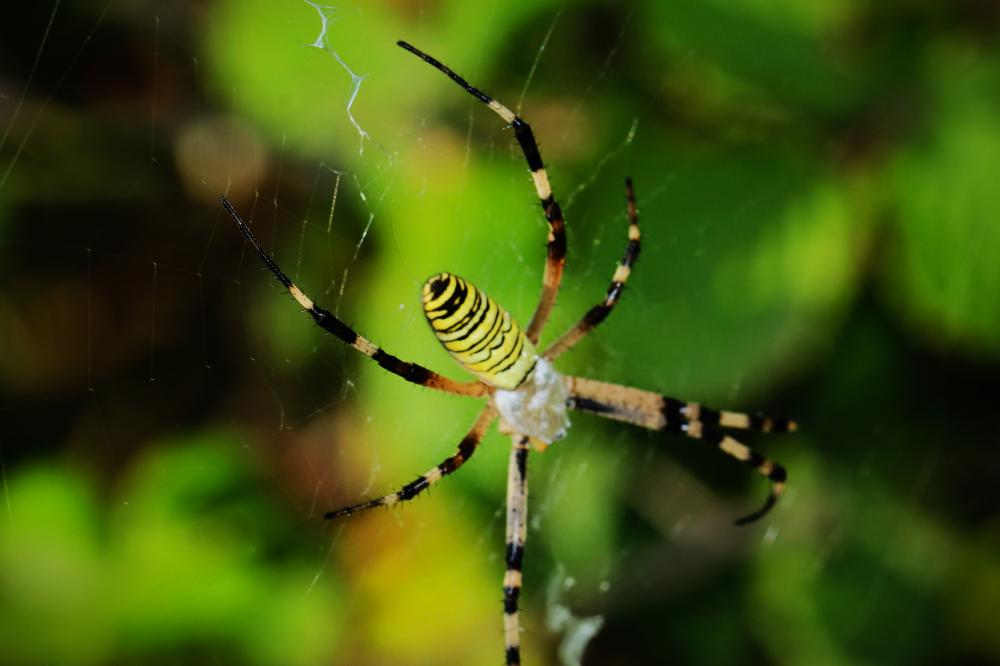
(818, 192)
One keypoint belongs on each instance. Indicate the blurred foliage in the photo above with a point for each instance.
(181, 560)
(816, 184)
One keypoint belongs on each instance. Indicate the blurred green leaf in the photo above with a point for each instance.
(743, 253)
(52, 571)
(941, 270)
(755, 44)
(169, 573)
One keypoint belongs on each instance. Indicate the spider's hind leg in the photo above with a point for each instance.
(598, 313)
(556, 255)
(329, 322)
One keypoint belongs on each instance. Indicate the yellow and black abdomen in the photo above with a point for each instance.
(477, 332)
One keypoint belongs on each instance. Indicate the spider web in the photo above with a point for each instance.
(180, 278)
(488, 470)
(158, 331)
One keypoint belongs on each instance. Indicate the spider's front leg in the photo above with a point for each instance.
(769, 469)
(517, 532)
(658, 412)
(465, 450)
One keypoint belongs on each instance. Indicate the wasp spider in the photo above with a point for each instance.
(518, 384)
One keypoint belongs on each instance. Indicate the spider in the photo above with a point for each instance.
(519, 384)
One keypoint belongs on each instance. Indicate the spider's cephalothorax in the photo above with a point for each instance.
(530, 395)
(520, 385)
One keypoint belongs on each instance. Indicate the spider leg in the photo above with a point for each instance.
(758, 421)
(657, 412)
(330, 323)
(769, 469)
(556, 256)
(599, 312)
(517, 531)
(652, 410)
(465, 450)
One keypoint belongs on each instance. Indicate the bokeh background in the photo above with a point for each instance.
(819, 195)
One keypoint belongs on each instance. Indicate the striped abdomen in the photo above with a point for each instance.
(477, 332)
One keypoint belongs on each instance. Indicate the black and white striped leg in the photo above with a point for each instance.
(657, 412)
(517, 531)
(465, 450)
(556, 256)
(653, 410)
(758, 422)
(330, 323)
(769, 469)
(600, 312)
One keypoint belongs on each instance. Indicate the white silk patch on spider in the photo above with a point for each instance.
(538, 407)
